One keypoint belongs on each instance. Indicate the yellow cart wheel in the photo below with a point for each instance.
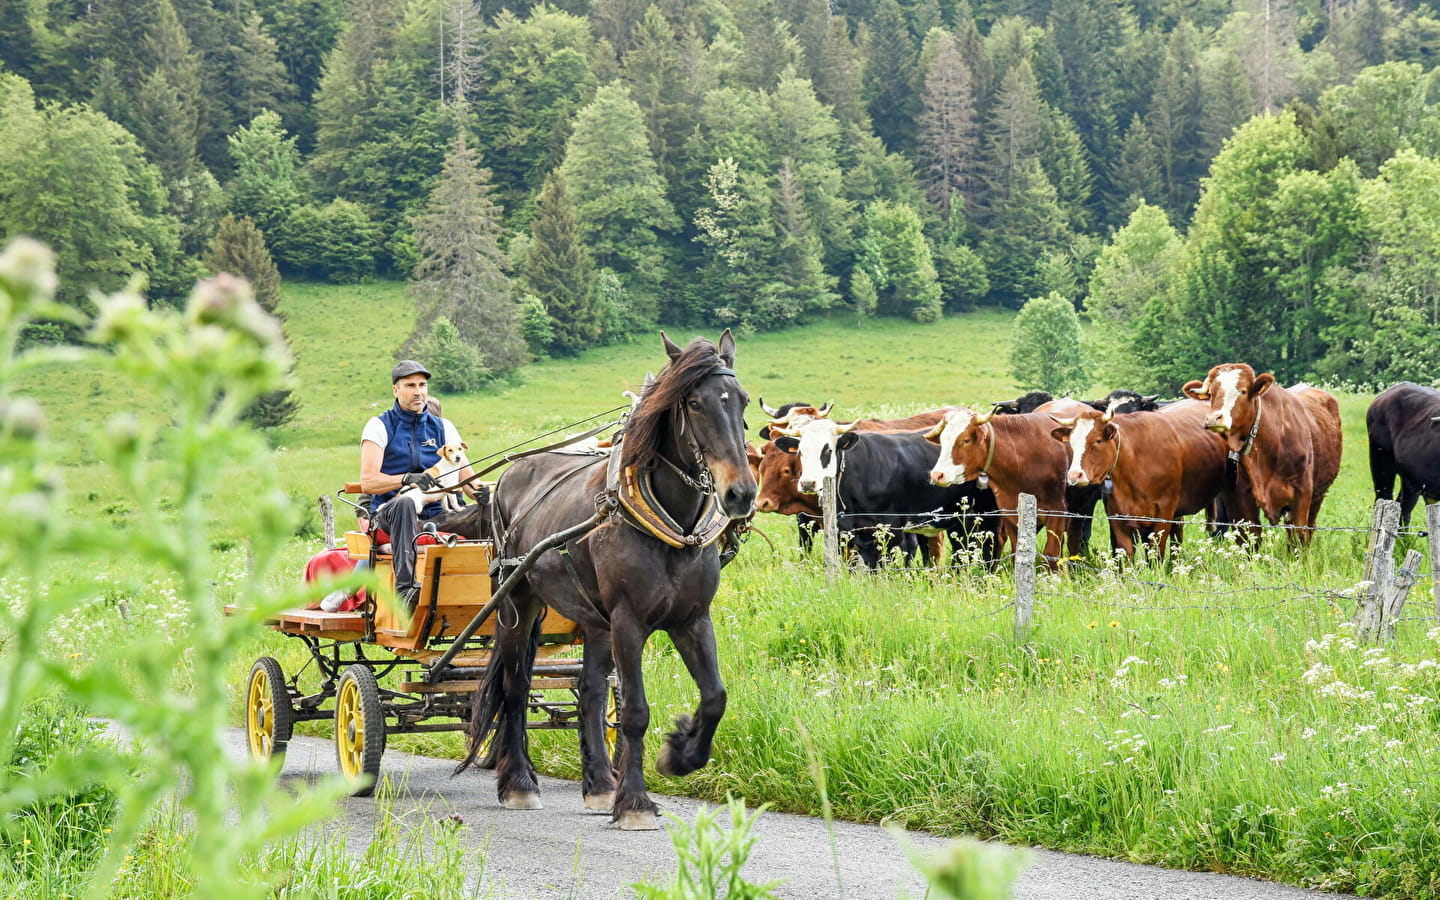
(359, 728)
(612, 724)
(269, 716)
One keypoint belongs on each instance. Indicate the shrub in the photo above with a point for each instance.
(337, 242)
(455, 365)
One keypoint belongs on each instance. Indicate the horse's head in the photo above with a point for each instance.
(708, 407)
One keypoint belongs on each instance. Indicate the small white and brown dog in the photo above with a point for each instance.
(446, 473)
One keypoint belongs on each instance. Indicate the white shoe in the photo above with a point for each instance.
(334, 600)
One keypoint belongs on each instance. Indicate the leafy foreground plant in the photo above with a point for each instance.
(710, 858)
(165, 690)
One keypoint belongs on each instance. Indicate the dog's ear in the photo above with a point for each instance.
(464, 446)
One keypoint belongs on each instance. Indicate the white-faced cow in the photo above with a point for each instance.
(1286, 444)
(1160, 465)
(1017, 456)
(1404, 427)
(882, 479)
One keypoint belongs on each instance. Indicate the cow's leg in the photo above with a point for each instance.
(633, 809)
(1409, 497)
(1121, 534)
(1300, 517)
(1382, 471)
(597, 782)
(687, 748)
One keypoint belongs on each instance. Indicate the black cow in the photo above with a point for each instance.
(884, 481)
(1404, 426)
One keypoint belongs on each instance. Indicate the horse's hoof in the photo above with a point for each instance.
(599, 803)
(522, 801)
(638, 820)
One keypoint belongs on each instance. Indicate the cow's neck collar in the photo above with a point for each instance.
(1249, 444)
(1115, 463)
(989, 453)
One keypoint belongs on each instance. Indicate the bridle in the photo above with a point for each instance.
(704, 483)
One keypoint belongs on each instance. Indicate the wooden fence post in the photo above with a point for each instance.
(1432, 525)
(327, 520)
(1396, 594)
(831, 522)
(1024, 567)
(1379, 569)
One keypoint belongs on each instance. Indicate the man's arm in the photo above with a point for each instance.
(372, 480)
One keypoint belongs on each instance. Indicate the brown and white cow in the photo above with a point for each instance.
(1017, 455)
(1161, 465)
(1286, 443)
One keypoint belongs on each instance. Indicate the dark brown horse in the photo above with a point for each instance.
(623, 581)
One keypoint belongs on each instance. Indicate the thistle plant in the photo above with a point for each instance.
(165, 694)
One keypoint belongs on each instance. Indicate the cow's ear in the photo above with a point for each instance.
(1108, 432)
(1261, 384)
(787, 443)
(846, 440)
(1192, 390)
(1062, 434)
(727, 348)
(765, 433)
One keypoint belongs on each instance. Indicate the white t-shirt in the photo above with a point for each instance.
(375, 431)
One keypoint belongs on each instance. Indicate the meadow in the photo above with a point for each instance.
(1208, 712)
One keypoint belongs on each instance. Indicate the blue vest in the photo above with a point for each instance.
(413, 445)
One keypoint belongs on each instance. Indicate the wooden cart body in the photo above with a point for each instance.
(456, 583)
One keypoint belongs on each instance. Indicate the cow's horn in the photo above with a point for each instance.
(1110, 410)
(1067, 423)
(824, 411)
(982, 418)
(935, 432)
(769, 411)
(843, 429)
(787, 432)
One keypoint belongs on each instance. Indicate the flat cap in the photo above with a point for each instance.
(407, 367)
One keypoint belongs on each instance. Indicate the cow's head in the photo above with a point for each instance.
(1092, 439)
(1232, 391)
(963, 439)
(1025, 404)
(779, 477)
(818, 443)
(790, 415)
(1123, 400)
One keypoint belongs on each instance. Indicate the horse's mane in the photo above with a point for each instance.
(642, 435)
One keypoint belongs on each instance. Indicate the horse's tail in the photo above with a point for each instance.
(489, 703)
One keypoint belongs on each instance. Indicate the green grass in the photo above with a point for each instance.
(1192, 713)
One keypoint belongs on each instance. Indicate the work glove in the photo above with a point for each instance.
(423, 480)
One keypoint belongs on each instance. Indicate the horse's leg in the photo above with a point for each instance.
(633, 809)
(597, 782)
(515, 780)
(687, 748)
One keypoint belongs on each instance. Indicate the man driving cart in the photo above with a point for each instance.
(396, 447)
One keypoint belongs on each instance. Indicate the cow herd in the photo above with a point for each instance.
(1237, 448)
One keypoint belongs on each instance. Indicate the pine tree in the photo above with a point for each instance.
(800, 266)
(168, 102)
(619, 195)
(1227, 100)
(239, 248)
(657, 83)
(1014, 136)
(949, 140)
(890, 61)
(559, 272)
(256, 76)
(838, 80)
(1137, 172)
(460, 45)
(267, 183)
(461, 270)
(1173, 121)
(1026, 226)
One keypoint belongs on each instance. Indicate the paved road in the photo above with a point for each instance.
(558, 852)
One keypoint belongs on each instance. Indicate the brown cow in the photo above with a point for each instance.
(1017, 455)
(1161, 465)
(1286, 443)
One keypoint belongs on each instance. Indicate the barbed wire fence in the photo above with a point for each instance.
(1379, 597)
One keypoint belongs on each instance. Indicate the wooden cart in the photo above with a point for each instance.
(439, 650)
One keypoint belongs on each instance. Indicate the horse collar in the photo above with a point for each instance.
(628, 489)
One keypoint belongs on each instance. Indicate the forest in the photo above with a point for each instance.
(1200, 182)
